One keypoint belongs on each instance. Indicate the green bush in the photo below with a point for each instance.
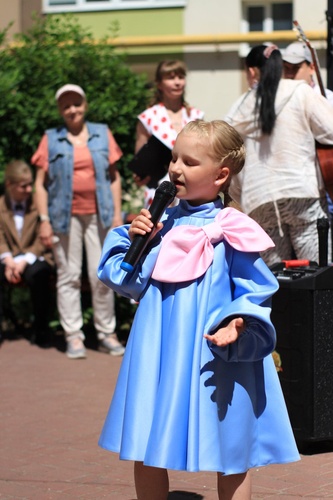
(57, 50)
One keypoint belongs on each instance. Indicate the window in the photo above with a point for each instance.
(256, 17)
(269, 16)
(54, 6)
(266, 16)
(282, 15)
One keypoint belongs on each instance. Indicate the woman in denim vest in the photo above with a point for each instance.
(78, 196)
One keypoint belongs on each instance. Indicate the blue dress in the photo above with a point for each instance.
(180, 402)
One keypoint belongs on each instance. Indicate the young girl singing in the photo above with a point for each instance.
(198, 389)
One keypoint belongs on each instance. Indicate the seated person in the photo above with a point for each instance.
(22, 255)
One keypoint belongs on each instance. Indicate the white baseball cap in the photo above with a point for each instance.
(69, 87)
(296, 53)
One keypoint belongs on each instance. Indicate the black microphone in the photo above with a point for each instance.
(164, 195)
(322, 228)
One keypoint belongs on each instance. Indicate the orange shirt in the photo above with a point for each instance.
(84, 184)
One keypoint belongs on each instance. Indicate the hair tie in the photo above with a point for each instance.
(269, 49)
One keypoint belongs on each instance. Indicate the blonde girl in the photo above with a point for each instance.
(198, 389)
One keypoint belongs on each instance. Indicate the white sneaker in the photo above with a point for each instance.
(75, 349)
(112, 345)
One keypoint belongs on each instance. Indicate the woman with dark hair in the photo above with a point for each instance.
(280, 186)
(167, 114)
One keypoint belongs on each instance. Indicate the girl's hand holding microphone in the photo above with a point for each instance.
(142, 225)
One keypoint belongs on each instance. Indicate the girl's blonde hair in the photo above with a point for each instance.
(166, 68)
(225, 147)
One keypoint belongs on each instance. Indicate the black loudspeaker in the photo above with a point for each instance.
(302, 313)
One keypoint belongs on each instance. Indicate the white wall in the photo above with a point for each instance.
(214, 80)
(311, 14)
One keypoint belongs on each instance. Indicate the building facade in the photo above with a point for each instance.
(211, 36)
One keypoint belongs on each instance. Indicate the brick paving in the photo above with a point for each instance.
(51, 413)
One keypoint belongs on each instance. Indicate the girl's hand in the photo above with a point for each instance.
(227, 334)
(142, 225)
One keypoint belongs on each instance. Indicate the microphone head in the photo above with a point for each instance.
(167, 188)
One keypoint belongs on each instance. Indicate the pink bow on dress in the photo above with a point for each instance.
(187, 251)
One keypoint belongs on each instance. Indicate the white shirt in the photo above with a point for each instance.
(282, 165)
(18, 215)
(157, 122)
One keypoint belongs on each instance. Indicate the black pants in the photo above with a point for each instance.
(36, 276)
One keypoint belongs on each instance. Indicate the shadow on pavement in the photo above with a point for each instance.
(181, 495)
(315, 447)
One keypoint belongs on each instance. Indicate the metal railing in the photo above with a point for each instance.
(216, 39)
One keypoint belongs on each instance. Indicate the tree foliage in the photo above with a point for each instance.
(57, 50)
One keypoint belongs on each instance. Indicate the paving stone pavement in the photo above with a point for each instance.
(51, 413)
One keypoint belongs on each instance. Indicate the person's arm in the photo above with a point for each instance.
(115, 247)
(319, 112)
(116, 195)
(245, 331)
(142, 136)
(41, 200)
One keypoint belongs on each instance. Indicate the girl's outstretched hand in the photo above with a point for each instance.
(227, 334)
(142, 225)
